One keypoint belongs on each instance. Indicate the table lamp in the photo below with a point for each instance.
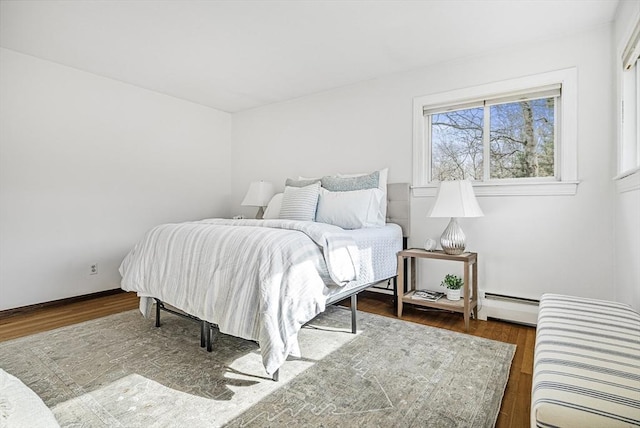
(258, 195)
(455, 199)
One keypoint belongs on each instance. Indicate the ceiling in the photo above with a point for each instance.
(237, 55)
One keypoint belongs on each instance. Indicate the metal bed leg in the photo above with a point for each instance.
(395, 291)
(276, 375)
(205, 326)
(203, 333)
(209, 340)
(405, 283)
(158, 307)
(354, 309)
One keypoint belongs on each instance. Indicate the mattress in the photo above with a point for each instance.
(378, 248)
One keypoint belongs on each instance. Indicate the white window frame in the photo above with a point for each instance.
(628, 167)
(566, 150)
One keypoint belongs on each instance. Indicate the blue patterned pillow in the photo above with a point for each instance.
(349, 184)
(300, 203)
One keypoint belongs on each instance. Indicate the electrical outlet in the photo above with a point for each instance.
(93, 269)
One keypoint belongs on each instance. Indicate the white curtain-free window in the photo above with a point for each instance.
(511, 136)
(481, 115)
(629, 141)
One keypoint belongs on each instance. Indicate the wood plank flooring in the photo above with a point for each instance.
(515, 409)
(50, 317)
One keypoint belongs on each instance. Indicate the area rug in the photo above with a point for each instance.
(121, 371)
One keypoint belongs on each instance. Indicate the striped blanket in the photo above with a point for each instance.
(586, 364)
(256, 279)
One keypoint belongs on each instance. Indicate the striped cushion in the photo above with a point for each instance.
(300, 203)
(586, 364)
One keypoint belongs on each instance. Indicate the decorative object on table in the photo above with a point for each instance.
(453, 284)
(258, 195)
(430, 244)
(455, 199)
(431, 296)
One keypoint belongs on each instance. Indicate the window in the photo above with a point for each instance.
(629, 146)
(497, 139)
(514, 137)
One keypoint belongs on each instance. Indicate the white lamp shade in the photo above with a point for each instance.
(456, 199)
(259, 194)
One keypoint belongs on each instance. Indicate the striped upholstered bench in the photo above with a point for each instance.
(586, 364)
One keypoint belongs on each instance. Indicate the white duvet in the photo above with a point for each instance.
(256, 279)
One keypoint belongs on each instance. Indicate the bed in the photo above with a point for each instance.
(262, 280)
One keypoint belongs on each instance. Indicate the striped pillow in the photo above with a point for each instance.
(299, 203)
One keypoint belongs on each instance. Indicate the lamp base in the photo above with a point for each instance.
(453, 239)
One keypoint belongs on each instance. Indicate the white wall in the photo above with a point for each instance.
(87, 164)
(526, 245)
(627, 196)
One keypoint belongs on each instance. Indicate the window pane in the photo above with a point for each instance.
(522, 139)
(630, 120)
(456, 145)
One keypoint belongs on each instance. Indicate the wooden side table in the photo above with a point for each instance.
(467, 305)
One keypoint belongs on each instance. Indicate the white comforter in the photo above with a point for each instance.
(256, 279)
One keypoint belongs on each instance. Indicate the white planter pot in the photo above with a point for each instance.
(453, 294)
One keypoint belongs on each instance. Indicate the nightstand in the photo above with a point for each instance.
(468, 305)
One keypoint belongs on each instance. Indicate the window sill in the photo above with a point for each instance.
(551, 188)
(628, 181)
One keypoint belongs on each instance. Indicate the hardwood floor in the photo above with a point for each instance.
(50, 317)
(515, 409)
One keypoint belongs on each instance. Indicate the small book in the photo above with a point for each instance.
(429, 295)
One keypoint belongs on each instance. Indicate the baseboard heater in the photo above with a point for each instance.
(509, 308)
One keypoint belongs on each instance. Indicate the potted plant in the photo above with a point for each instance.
(453, 284)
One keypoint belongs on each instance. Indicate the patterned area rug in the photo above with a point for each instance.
(121, 371)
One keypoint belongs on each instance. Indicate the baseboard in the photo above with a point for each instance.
(30, 308)
(506, 308)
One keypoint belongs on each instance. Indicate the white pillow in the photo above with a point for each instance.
(350, 210)
(273, 208)
(299, 203)
(382, 185)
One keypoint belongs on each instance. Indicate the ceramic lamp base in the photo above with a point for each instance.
(453, 239)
